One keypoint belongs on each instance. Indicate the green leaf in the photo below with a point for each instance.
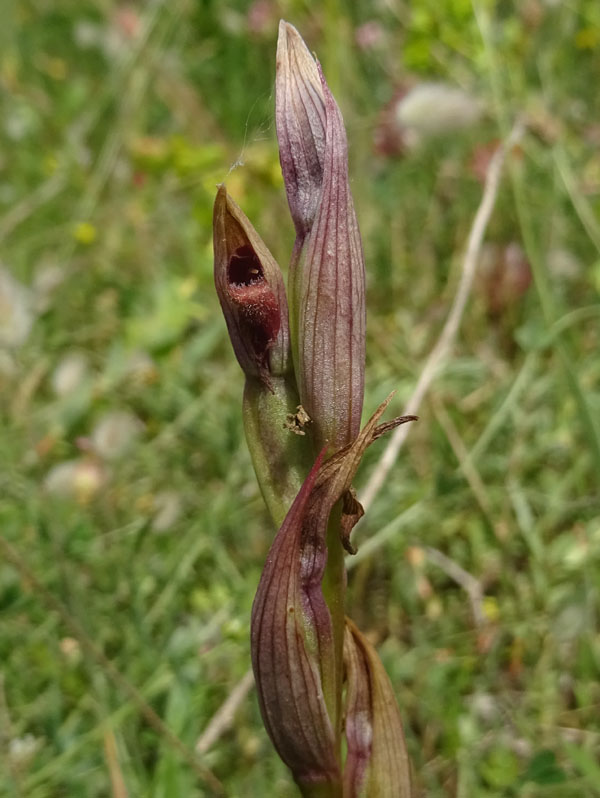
(543, 769)
(585, 762)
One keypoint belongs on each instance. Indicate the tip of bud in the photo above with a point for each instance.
(300, 117)
(288, 36)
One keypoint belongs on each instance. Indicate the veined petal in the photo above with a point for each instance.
(327, 273)
(300, 120)
(331, 299)
(292, 647)
(377, 762)
(291, 630)
(251, 291)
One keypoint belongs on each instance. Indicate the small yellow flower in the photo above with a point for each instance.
(85, 233)
(56, 68)
(50, 164)
(187, 287)
(587, 39)
(490, 608)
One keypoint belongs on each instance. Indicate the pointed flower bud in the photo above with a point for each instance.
(300, 119)
(291, 632)
(327, 274)
(377, 762)
(251, 291)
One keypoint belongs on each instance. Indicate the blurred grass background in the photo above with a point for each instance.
(125, 484)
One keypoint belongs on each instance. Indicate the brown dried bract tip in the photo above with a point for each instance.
(296, 422)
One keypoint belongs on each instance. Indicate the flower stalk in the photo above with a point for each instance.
(304, 364)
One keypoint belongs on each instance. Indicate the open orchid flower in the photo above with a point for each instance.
(251, 291)
(250, 287)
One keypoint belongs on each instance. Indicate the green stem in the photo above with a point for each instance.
(281, 459)
(334, 591)
(321, 790)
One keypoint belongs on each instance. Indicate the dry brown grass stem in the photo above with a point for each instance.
(447, 337)
(224, 717)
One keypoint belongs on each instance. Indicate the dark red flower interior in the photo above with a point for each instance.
(244, 267)
(257, 305)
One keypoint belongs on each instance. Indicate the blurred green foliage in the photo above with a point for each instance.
(125, 484)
